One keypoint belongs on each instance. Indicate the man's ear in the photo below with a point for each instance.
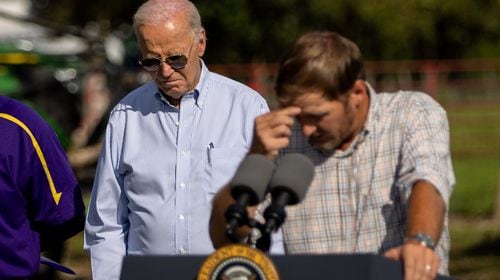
(359, 92)
(202, 43)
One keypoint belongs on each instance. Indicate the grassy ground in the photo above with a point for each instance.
(475, 253)
(475, 193)
(475, 233)
(77, 259)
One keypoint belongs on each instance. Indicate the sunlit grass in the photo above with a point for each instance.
(476, 189)
(475, 252)
(475, 144)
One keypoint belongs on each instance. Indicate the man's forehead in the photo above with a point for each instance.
(308, 98)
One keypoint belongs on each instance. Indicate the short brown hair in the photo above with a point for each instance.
(323, 61)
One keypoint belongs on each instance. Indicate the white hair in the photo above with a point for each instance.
(159, 11)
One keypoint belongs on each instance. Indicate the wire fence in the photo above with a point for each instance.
(468, 88)
(460, 80)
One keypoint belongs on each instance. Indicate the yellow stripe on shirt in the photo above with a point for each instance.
(55, 194)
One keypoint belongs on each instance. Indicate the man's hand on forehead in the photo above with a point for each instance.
(273, 130)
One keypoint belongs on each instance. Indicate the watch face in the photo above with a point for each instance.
(237, 262)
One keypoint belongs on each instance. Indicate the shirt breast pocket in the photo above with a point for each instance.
(220, 166)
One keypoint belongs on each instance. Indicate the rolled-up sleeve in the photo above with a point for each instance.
(427, 147)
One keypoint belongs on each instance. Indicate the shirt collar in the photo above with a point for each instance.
(197, 93)
(201, 94)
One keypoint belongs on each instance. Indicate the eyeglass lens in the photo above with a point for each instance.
(175, 61)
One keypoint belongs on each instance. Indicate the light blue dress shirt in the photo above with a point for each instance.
(160, 167)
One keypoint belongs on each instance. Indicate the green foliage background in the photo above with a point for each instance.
(242, 31)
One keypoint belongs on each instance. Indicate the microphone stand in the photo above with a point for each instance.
(260, 236)
(274, 216)
(264, 239)
(236, 215)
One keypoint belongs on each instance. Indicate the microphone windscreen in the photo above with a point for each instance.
(293, 174)
(252, 177)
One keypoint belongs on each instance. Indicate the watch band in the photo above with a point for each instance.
(424, 239)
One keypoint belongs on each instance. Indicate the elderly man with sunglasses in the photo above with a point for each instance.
(170, 145)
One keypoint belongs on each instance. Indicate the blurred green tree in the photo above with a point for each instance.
(259, 30)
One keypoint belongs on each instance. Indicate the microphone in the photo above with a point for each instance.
(288, 186)
(248, 188)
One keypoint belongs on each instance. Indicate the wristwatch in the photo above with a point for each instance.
(424, 239)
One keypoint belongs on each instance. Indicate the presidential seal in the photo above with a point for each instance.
(238, 262)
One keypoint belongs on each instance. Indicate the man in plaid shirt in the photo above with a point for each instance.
(383, 172)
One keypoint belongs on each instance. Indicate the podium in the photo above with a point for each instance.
(289, 267)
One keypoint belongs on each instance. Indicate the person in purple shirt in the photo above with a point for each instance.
(40, 199)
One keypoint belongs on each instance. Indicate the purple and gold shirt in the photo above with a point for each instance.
(38, 189)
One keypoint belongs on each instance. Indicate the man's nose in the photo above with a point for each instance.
(308, 129)
(165, 69)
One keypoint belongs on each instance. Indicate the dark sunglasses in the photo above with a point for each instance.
(177, 61)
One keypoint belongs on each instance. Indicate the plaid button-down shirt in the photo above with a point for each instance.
(358, 200)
